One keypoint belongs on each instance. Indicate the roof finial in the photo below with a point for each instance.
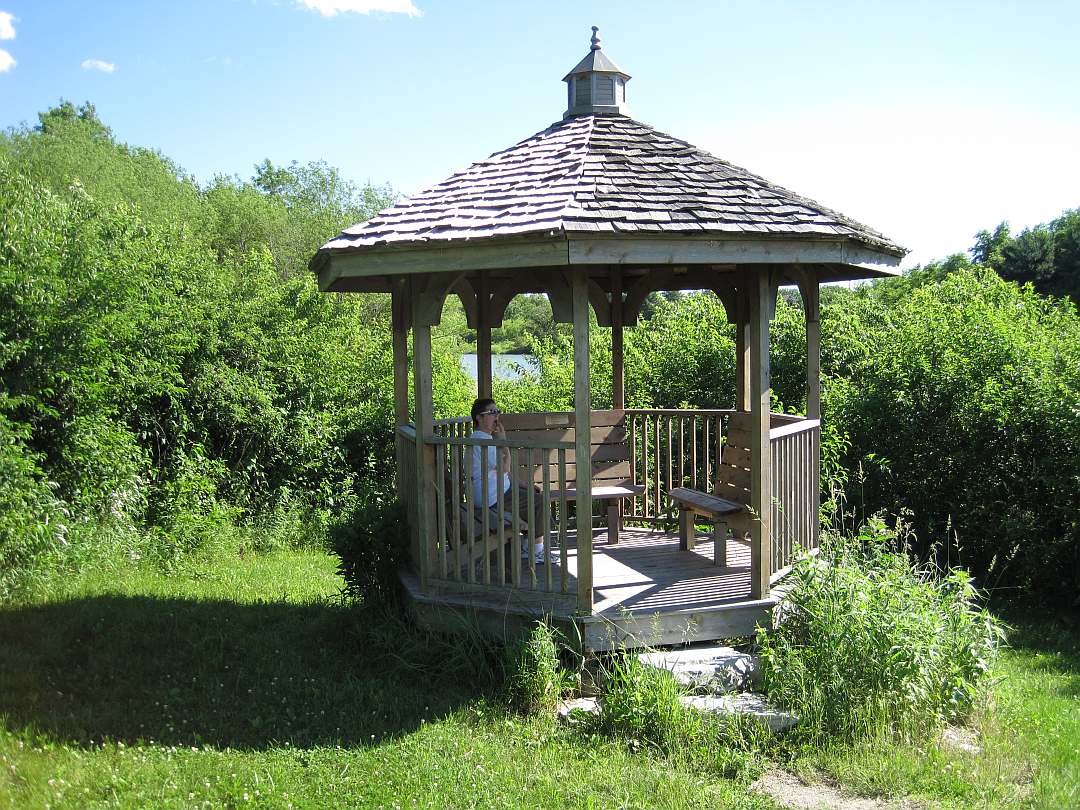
(595, 39)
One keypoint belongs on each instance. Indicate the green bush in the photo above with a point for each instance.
(871, 642)
(33, 522)
(535, 679)
(967, 393)
(372, 545)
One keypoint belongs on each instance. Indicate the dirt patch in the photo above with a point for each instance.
(790, 791)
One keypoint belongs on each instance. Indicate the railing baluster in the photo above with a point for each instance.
(645, 462)
(470, 513)
(532, 531)
(546, 519)
(670, 461)
(455, 505)
(515, 519)
(693, 451)
(564, 570)
(682, 450)
(440, 506)
(632, 418)
(659, 468)
(500, 508)
(485, 512)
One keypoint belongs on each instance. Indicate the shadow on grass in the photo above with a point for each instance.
(249, 676)
(1051, 635)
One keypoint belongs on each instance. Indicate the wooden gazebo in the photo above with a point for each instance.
(598, 210)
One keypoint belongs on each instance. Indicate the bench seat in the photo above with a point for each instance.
(613, 495)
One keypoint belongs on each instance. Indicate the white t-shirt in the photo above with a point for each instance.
(492, 471)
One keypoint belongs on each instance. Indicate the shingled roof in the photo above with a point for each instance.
(600, 173)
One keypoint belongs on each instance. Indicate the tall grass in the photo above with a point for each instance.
(874, 644)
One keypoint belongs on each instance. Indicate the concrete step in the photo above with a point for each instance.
(707, 667)
(744, 704)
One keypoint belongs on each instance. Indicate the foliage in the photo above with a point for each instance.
(371, 546)
(32, 519)
(967, 392)
(1046, 256)
(535, 679)
(871, 641)
(160, 381)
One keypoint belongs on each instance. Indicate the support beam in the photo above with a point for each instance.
(742, 349)
(618, 383)
(812, 307)
(483, 337)
(761, 290)
(424, 426)
(583, 432)
(399, 323)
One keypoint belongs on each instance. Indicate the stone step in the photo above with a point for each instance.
(744, 704)
(707, 667)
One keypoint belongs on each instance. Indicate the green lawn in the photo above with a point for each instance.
(244, 682)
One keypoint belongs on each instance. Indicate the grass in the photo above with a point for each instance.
(1028, 728)
(247, 682)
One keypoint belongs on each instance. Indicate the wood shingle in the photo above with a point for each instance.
(600, 172)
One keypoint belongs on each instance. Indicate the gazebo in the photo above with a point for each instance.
(599, 210)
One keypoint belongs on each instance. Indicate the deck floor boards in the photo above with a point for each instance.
(646, 571)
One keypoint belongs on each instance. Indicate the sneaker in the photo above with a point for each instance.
(543, 559)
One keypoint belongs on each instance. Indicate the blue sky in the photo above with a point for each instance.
(925, 120)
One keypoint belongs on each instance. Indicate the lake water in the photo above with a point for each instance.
(503, 366)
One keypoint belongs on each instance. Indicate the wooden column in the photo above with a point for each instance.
(812, 306)
(742, 349)
(424, 426)
(483, 337)
(399, 320)
(618, 384)
(760, 288)
(582, 433)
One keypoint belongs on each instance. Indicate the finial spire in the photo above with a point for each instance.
(595, 40)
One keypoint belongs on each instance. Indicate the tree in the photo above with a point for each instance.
(989, 247)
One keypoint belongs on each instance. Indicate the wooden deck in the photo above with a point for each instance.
(646, 592)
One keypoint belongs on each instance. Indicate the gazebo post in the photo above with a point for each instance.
(812, 307)
(618, 385)
(583, 439)
(742, 348)
(761, 287)
(424, 427)
(399, 320)
(811, 294)
(483, 336)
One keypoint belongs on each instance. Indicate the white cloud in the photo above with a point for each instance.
(7, 61)
(98, 64)
(7, 30)
(330, 8)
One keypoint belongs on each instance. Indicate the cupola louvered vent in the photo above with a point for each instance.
(596, 85)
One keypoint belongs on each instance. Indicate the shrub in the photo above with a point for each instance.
(968, 391)
(32, 521)
(871, 641)
(372, 545)
(535, 679)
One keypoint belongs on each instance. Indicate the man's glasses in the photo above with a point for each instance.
(492, 412)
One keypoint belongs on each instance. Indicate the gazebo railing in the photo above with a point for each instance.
(680, 447)
(672, 448)
(796, 491)
(471, 549)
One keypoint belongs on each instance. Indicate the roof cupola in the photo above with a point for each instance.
(596, 85)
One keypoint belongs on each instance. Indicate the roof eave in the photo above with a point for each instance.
(848, 258)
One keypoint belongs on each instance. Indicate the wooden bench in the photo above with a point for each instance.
(726, 507)
(610, 452)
